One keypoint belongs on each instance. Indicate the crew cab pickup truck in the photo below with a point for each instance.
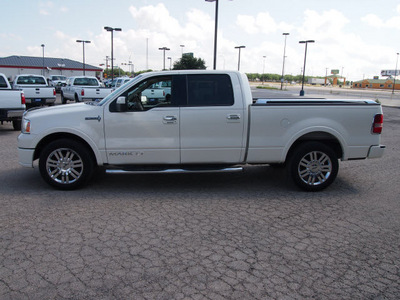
(209, 123)
(12, 103)
(83, 88)
(36, 90)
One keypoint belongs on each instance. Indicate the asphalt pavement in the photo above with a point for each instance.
(248, 235)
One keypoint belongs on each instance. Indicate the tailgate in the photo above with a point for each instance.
(10, 99)
(39, 92)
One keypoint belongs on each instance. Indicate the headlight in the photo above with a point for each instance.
(26, 126)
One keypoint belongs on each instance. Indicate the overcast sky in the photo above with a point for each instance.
(360, 37)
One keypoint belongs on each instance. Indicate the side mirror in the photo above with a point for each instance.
(121, 105)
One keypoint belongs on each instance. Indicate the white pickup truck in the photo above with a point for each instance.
(12, 103)
(36, 90)
(83, 88)
(209, 123)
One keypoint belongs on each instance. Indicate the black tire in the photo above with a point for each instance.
(313, 166)
(16, 124)
(76, 98)
(63, 100)
(66, 164)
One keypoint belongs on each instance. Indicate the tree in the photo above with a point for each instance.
(188, 62)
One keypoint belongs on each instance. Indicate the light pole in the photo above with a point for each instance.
(182, 46)
(395, 73)
(215, 32)
(170, 62)
(164, 49)
(326, 76)
(239, 47)
(304, 67)
(263, 69)
(42, 45)
(110, 29)
(83, 43)
(284, 56)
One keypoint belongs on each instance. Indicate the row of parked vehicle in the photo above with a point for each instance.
(29, 90)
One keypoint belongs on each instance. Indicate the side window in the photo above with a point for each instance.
(3, 83)
(148, 94)
(210, 90)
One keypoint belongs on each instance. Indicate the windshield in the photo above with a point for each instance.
(117, 91)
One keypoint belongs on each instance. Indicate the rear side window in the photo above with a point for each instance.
(31, 80)
(210, 90)
(3, 83)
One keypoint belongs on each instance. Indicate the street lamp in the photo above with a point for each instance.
(170, 62)
(110, 29)
(239, 47)
(42, 45)
(83, 43)
(164, 49)
(215, 32)
(304, 67)
(395, 73)
(284, 56)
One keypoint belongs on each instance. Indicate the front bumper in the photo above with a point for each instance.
(25, 157)
(376, 151)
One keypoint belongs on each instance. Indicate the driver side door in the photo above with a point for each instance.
(147, 132)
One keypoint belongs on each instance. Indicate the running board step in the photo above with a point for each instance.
(158, 171)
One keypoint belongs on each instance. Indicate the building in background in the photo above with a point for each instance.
(16, 64)
(377, 83)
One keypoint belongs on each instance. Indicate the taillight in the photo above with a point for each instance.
(82, 92)
(378, 124)
(23, 98)
(54, 92)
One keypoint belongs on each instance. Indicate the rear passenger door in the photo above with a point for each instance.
(211, 122)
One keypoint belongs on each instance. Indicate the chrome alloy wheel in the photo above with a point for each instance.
(314, 168)
(64, 166)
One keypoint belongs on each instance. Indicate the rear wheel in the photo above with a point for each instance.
(63, 100)
(313, 166)
(66, 164)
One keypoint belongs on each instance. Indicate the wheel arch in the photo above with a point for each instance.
(64, 135)
(323, 137)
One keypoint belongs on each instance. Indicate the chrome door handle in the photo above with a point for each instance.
(233, 117)
(169, 120)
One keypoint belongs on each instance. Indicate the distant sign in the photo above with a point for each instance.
(390, 72)
(335, 72)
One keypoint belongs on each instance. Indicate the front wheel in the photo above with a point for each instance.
(313, 166)
(16, 124)
(66, 164)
